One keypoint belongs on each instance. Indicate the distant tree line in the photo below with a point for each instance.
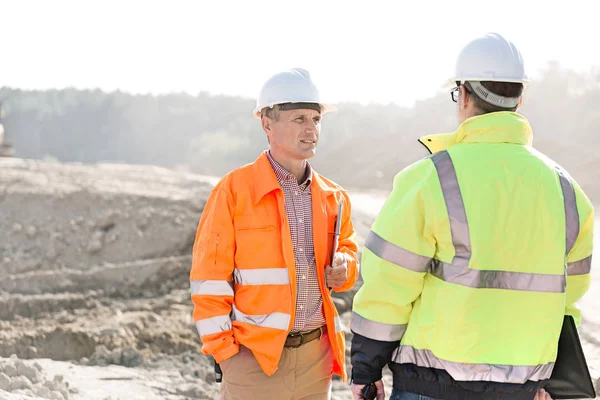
(361, 146)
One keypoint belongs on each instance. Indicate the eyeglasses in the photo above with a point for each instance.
(454, 93)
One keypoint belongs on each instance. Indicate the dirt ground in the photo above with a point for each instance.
(94, 290)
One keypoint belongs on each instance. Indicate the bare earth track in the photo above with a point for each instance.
(94, 299)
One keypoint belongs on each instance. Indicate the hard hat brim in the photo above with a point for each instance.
(325, 108)
(450, 83)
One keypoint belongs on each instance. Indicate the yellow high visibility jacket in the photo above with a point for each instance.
(476, 256)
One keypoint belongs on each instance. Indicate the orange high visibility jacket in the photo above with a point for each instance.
(243, 278)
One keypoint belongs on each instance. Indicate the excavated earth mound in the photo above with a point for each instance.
(94, 289)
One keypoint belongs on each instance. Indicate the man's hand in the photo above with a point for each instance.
(542, 395)
(358, 389)
(335, 276)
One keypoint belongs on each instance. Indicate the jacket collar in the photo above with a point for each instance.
(497, 127)
(265, 180)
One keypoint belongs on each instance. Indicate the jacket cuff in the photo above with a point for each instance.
(361, 378)
(226, 353)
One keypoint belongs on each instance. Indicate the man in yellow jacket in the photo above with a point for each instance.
(267, 255)
(477, 254)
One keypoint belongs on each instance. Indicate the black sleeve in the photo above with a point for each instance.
(368, 357)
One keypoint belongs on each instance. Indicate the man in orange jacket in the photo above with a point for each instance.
(263, 259)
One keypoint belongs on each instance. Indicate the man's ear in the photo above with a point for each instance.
(266, 124)
(520, 102)
(464, 98)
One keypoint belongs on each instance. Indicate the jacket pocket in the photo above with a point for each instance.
(251, 229)
(251, 223)
(216, 246)
(258, 243)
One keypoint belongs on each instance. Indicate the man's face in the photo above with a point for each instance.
(296, 134)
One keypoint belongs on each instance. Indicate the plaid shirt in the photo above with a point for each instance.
(298, 207)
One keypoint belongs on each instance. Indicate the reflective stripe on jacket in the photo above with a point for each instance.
(243, 279)
(476, 256)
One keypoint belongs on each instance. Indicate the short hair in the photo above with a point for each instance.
(506, 89)
(271, 112)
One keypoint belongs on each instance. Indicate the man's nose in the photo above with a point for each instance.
(313, 127)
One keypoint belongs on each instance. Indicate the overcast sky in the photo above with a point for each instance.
(369, 51)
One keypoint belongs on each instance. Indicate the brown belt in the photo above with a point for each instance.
(296, 340)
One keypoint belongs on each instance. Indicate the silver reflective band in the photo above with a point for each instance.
(214, 288)
(274, 320)
(571, 212)
(499, 279)
(455, 207)
(473, 372)
(377, 330)
(209, 326)
(493, 98)
(458, 271)
(338, 324)
(395, 254)
(580, 267)
(261, 276)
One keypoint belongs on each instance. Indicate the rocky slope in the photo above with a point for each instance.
(94, 299)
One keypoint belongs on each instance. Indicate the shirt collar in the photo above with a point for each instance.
(283, 174)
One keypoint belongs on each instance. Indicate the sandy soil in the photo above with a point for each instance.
(94, 299)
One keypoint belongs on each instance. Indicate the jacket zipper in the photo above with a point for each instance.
(260, 228)
(216, 249)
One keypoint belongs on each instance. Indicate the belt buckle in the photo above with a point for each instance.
(295, 335)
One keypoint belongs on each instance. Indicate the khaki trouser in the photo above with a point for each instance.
(303, 373)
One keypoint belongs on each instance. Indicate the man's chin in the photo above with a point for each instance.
(306, 154)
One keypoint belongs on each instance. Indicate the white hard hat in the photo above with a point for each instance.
(291, 86)
(489, 58)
